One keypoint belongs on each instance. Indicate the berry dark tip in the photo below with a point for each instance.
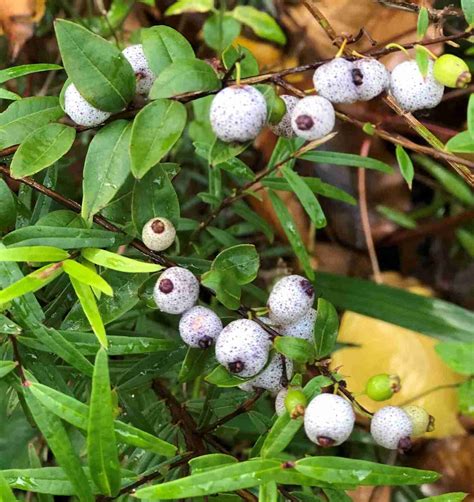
(307, 287)
(304, 122)
(463, 79)
(236, 367)
(298, 411)
(166, 286)
(431, 424)
(325, 442)
(404, 445)
(205, 342)
(288, 465)
(158, 227)
(139, 75)
(357, 77)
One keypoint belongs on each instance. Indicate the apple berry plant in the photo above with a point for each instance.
(141, 347)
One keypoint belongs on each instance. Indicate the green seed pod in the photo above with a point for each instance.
(295, 402)
(421, 420)
(278, 111)
(382, 387)
(451, 71)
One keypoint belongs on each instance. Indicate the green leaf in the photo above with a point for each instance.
(461, 143)
(164, 45)
(405, 164)
(155, 130)
(430, 316)
(189, 6)
(27, 69)
(222, 378)
(248, 65)
(468, 9)
(200, 77)
(241, 262)
(447, 497)
(6, 494)
(76, 413)
(30, 283)
(401, 219)
(210, 461)
(470, 115)
(297, 349)
(97, 68)
(101, 446)
(268, 492)
(193, 364)
(22, 117)
(154, 195)
(458, 356)
(348, 471)
(7, 207)
(58, 440)
(220, 31)
(243, 210)
(466, 239)
(227, 478)
(466, 398)
(223, 152)
(422, 23)
(87, 276)
(325, 328)
(450, 181)
(62, 237)
(42, 148)
(118, 262)
(305, 196)
(314, 184)
(261, 23)
(291, 231)
(422, 60)
(7, 326)
(346, 159)
(106, 167)
(6, 367)
(89, 306)
(33, 254)
(11, 96)
(225, 286)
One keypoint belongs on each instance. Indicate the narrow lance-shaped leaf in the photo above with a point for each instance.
(101, 441)
(325, 328)
(87, 276)
(33, 254)
(6, 494)
(58, 440)
(292, 233)
(27, 69)
(117, 262)
(89, 306)
(405, 164)
(6, 367)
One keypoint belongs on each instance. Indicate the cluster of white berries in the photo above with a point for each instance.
(84, 114)
(239, 113)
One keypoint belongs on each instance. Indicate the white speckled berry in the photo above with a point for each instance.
(290, 299)
(238, 113)
(199, 327)
(372, 80)
(137, 59)
(313, 117)
(283, 128)
(80, 111)
(302, 328)
(280, 402)
(176, 290)
(411, 90)
(242, 347)
(158, 234)
(270, 378)
(334, 81)
(328, 420)
(391, 427)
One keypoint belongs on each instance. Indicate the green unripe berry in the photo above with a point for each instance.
(295, 402)
(451, 71)
(382, 387)
(421, 420)
(277, 111)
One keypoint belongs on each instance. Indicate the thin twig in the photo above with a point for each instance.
(243, 408)
(364, 213)
(434, 14)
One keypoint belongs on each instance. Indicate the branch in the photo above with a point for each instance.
(434, 14)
